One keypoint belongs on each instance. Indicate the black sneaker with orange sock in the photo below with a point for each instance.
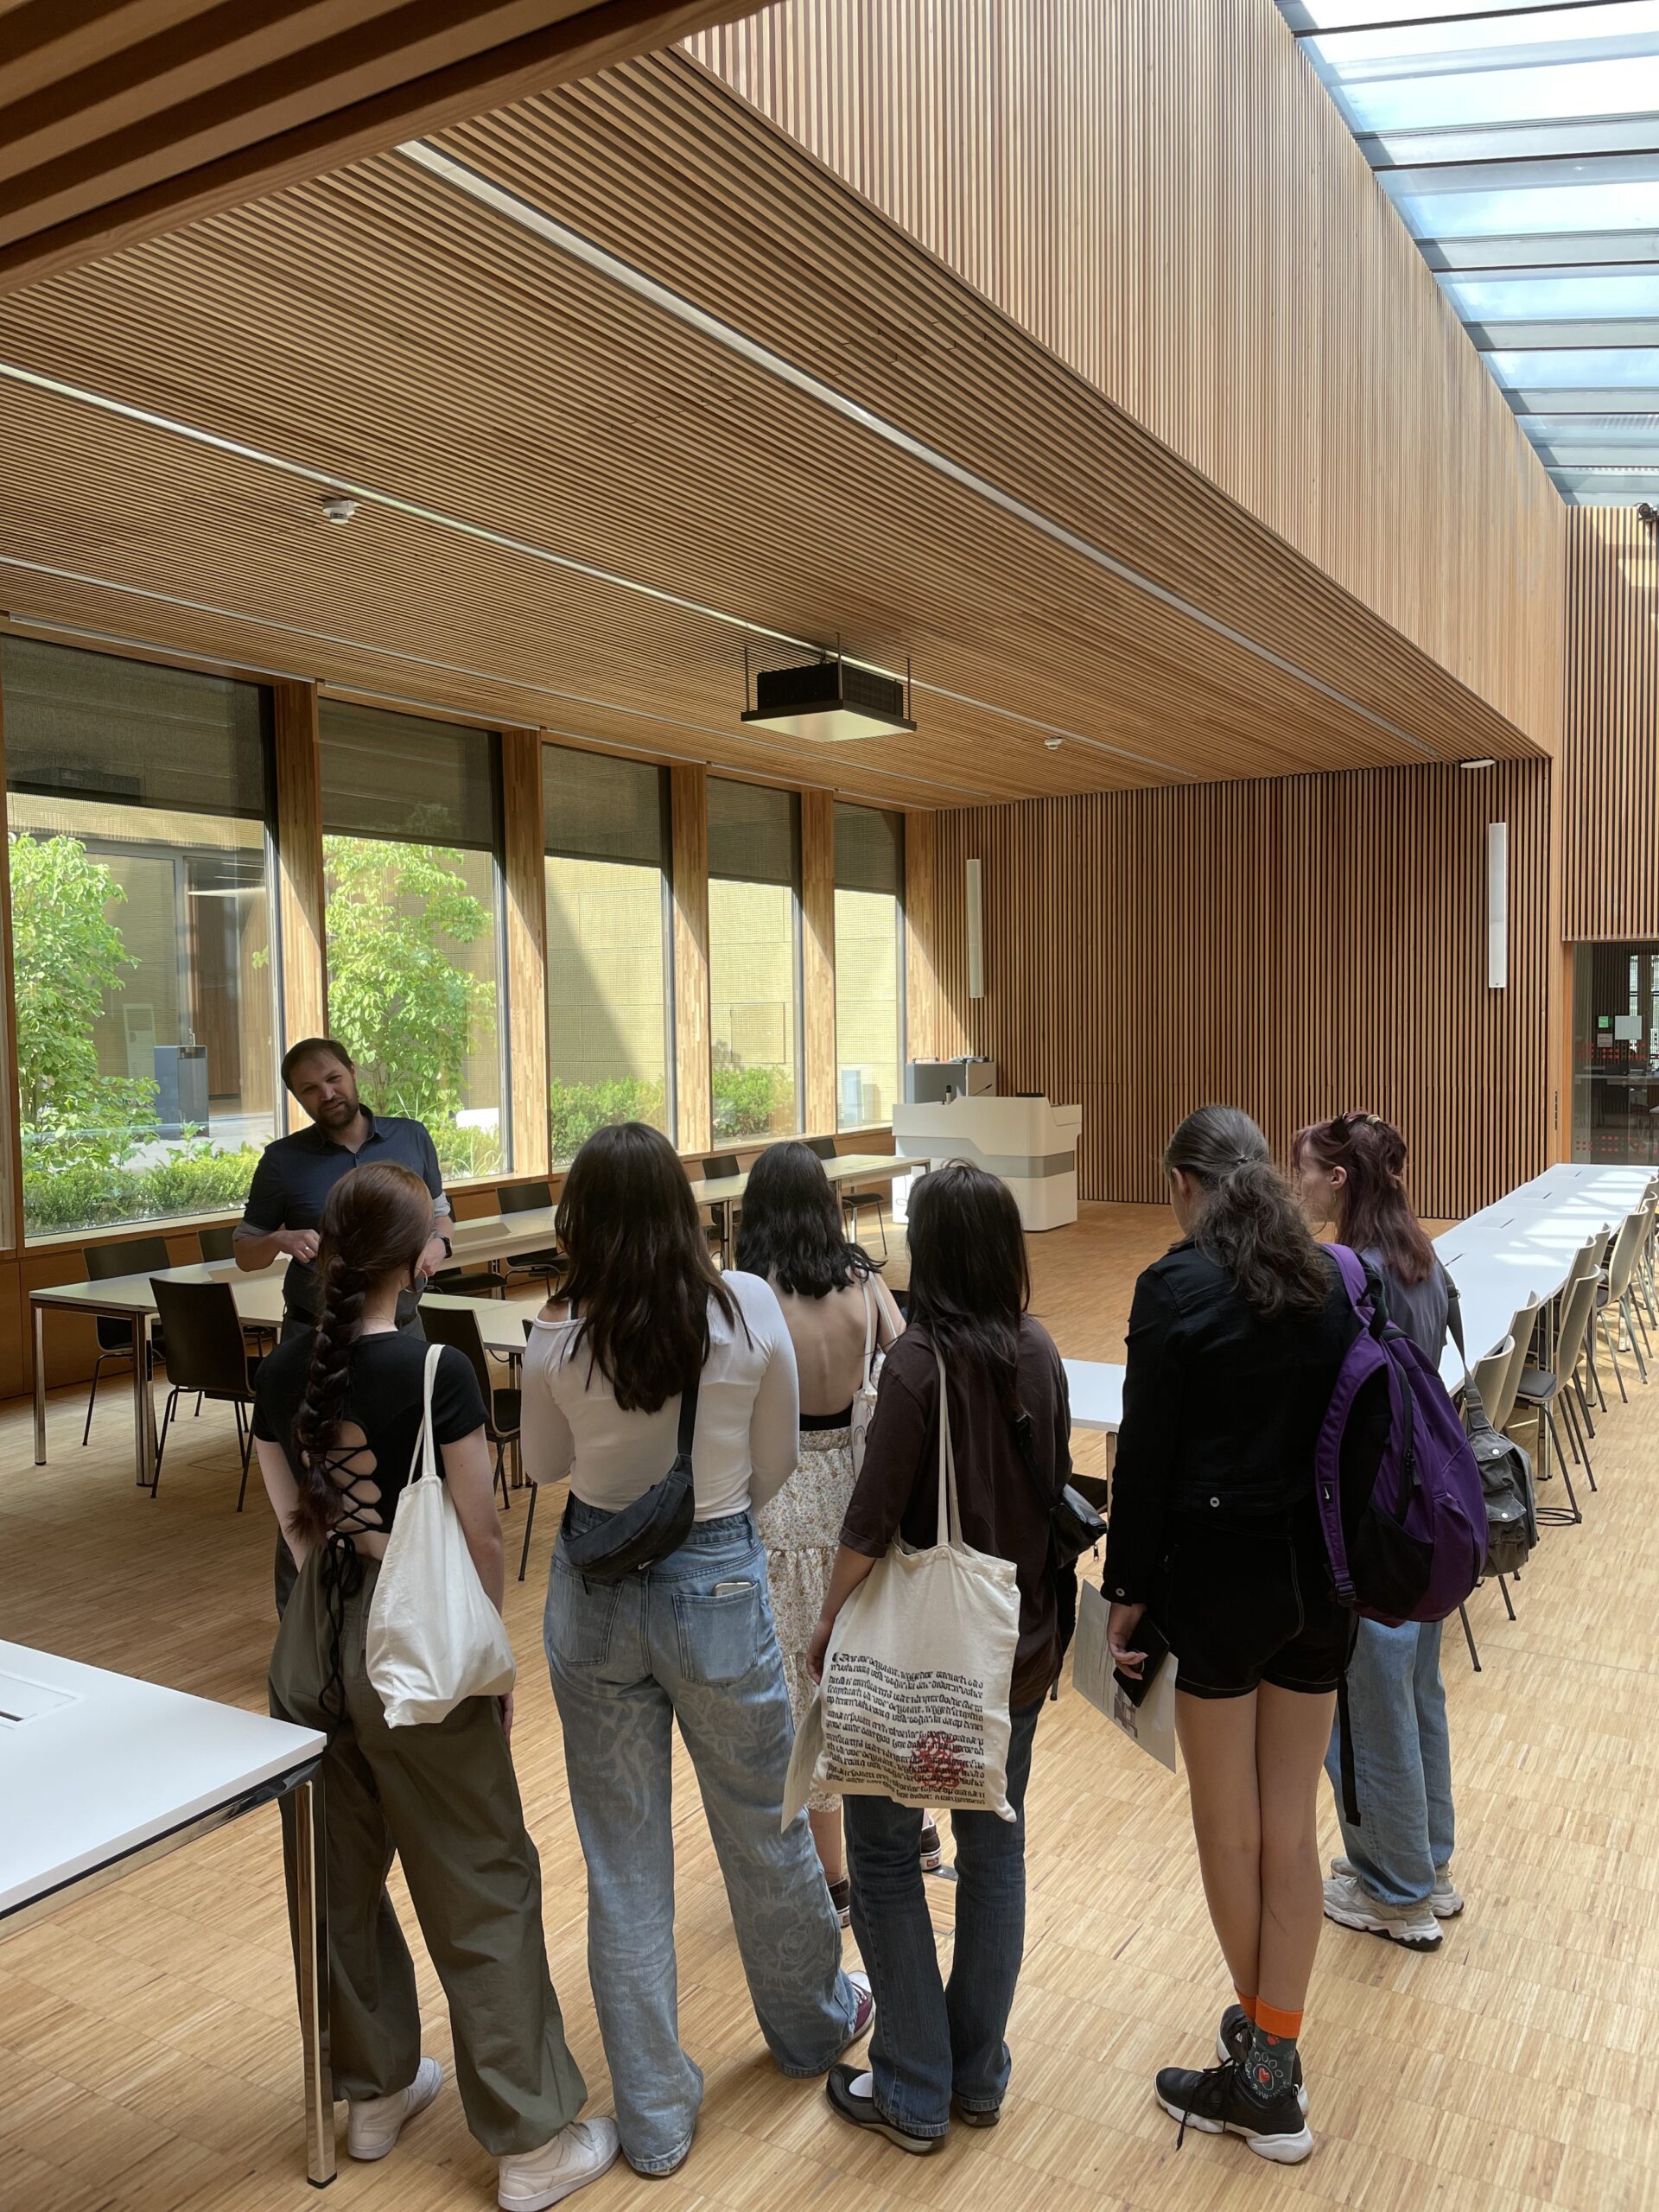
(1271, 2068)
(1233, 2041)
(1216, 2103)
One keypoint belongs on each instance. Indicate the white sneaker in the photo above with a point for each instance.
(374, 2124)
(531, 2180)
(1446, 1901)
(1350, 1904)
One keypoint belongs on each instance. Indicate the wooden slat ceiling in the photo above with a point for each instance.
(381, 328)
(120, 121)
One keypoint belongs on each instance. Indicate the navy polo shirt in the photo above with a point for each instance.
(296, 1174)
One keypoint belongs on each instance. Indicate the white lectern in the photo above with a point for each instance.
(1031, 1145)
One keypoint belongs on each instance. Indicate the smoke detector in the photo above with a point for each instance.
(338, 507)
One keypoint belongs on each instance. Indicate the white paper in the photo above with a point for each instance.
(1152, 1723)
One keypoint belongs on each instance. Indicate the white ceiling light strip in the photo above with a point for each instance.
(435, 517)
(421, 660)
(528, 217)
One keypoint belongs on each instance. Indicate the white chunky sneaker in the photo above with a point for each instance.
(1446, 1902)
(373, 2125)
(1350, 1904)
(531, 2180)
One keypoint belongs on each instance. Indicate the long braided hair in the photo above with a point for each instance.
(375, 1225)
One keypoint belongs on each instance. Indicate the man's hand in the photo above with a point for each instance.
(435, 1257)
(299, 1243)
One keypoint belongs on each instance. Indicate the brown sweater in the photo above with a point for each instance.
(1002, 1513)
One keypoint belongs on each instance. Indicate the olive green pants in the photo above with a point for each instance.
(445, 1799)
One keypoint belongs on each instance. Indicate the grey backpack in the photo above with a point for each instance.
(1505, 1469)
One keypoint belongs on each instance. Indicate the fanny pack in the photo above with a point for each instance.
(651, 1528)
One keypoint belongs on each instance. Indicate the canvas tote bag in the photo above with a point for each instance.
(915, 1702)
(433, 1638)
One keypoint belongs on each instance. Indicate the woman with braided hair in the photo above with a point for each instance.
(337, 1423)
(1394, 1878)
(1236, 1339)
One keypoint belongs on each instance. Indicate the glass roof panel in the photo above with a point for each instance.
(1520, 146)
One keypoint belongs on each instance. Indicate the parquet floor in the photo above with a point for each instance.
(149, 2059)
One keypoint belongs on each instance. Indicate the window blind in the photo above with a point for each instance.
(82, 725)
(754, 833)
(402, 777)
(595, 808)
(869, 850)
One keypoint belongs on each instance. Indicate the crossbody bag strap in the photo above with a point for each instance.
(869, 1331)
(949, 1509)
(687, 1417)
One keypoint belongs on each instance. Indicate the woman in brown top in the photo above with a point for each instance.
(938, 2043)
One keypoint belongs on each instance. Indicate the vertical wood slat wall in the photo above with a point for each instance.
(1298, 948)
(1612, 750)
(1163, 193)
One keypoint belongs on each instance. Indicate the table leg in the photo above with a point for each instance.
(726, 1213)
(311, 1901)
(143, 1409)
(39, 1386)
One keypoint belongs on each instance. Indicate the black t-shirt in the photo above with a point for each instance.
(384, 1397)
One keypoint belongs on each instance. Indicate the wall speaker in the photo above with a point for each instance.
(976, 933)
(1497, 905)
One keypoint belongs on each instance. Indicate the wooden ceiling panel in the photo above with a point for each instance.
(118, 123)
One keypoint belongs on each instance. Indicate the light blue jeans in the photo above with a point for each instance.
(690, 1640)
(1402, 1762)
(936, 2039)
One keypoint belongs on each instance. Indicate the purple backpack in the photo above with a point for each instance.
(1401, 1500)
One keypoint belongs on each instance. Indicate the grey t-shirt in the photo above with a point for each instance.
(1418, 1310)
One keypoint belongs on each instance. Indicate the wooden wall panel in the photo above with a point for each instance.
(1296, 948)
(1611, 858)
(524, 876)
(122, 122)
(818, 957)
(1163, 193)
(921, 938)
(688, 801)
(298, 863)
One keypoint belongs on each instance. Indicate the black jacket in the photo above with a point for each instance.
(1221, 1411)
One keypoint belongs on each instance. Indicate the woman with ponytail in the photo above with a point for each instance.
(1236, 1338)
(1394, 1878)
(338, 1419)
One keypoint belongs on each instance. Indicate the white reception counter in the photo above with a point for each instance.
(1030, 1144)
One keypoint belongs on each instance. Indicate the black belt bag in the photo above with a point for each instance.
(651, 1528)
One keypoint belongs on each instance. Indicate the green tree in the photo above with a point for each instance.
(67, 954)
(396, 998)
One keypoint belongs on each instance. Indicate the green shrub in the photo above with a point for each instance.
(89, 1195)
(748, 1101)
(577, 1110)
(465, 1154)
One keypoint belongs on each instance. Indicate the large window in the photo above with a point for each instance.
(413, 923)
(140, 935)
(869, 964)
(754, 959)
(609, 1057)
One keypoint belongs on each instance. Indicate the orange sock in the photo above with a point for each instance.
(1246, 2006)
(1286, 2026)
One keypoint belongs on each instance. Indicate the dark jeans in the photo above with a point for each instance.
(935, 2040)
(296, 1324)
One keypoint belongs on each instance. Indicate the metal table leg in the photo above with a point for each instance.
(311, 1901)
(39, 1386)
(143, 1409)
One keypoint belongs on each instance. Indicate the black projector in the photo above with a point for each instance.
(829, 701)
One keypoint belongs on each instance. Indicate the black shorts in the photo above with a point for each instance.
(1243, 1608)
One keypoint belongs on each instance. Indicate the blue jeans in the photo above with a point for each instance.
(935, 2039)
(689, 1640)
(1402, 1762)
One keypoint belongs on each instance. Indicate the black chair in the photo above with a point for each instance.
(219, 1243)
(137, 1255)
(720, 1168)
(823, 1147)
(531, 1198)
(463, 1282)
(207, 1353)
(852, 1200)
(453, 1326)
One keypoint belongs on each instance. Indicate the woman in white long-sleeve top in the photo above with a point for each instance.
(687, 1638)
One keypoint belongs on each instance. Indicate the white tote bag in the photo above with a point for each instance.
(914, 1704)
(864, 1396)
(433, 1638)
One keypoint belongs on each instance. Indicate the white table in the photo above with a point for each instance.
(100, 1774)
(1095, 1388)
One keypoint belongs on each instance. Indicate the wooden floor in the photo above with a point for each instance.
(148, 2056)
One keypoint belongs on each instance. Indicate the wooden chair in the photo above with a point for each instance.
(136, 1255)
(207, 1353)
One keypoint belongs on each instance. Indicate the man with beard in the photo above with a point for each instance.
(297, 1173)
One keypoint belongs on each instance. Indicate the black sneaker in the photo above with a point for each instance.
(1233, 2040)
(862, 2111)
(1216, 2102)
(931, 1855)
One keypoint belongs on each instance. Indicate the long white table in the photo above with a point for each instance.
(1523, 1244)
(101, 1774)
(1096, 1390)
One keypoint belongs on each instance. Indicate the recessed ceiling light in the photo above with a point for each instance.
(1053, 744)
(338, 508)
(1484, 761)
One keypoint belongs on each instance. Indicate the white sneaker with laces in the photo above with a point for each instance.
(1446, 1900)
(531, 2180)
(373, 2124)
(1350, 1904)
